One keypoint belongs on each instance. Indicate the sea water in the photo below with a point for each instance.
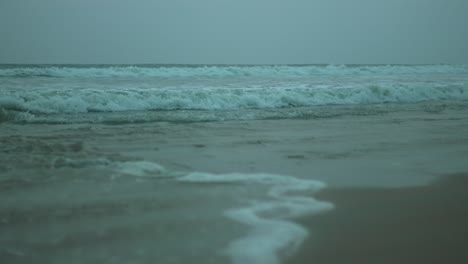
(68, 93)
(81, 181)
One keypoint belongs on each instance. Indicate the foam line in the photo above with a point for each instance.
(273, 235)
(69, 101)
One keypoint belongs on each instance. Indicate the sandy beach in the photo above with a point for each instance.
(391, 225)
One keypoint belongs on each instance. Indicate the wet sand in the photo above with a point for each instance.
(391, 225)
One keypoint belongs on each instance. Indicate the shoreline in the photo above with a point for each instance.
(425, 224)
(377, 166)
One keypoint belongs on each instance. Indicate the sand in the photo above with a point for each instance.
(391, 225)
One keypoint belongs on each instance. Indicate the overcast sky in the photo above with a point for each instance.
(234, 31)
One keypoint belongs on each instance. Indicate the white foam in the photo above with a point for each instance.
(139, 168)
(212, 98)
(269, 236)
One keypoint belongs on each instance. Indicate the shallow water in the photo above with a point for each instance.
(78, 209)
(208, 192)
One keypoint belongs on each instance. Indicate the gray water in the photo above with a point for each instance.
(208, 164)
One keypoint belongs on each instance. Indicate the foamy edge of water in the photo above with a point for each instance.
(269, 237)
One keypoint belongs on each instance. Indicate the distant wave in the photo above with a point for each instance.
(213, 71)
(93, 100)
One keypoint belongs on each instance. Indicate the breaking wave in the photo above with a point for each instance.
(91, 100)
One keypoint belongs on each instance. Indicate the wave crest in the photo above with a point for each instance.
(89, 100)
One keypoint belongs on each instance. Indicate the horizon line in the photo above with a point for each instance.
(238, 64)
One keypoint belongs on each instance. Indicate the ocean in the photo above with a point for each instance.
(151, 93)
(209, 163)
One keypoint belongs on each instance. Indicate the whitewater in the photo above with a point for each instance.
(29, 92)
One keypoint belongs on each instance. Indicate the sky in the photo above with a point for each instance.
(234, 31)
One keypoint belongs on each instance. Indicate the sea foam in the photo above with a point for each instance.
(269, 235)
(89, 100)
